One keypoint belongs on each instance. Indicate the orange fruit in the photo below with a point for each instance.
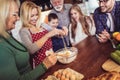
(115, 34)
(118, 37)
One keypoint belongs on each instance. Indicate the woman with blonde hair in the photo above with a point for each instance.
(35, 38)
(81, 26)
(14, 57)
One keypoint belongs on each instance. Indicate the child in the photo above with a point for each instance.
(81, 26)
(57, 41)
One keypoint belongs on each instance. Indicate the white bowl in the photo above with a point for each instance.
(71, 55)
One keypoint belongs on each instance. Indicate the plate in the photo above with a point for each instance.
(65, 74)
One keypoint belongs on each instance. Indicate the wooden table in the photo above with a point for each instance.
(91, 56)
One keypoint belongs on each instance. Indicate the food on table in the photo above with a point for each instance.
(117, 52)
(55, 73)
(118, 37)
(66, 74)
(110, 65)
(116, 56)
(73, 77)
(107, 76)
(67, 55)
(118, 47)
(115, 34)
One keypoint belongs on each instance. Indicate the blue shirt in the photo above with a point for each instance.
(57, 42)
(101, 18)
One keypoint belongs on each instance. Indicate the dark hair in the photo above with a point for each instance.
(52, 16)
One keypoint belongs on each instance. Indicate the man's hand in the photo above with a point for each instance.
(103, 37)
(65, 30)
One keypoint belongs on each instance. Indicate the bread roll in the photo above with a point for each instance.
(55, 73)
(72, 77)
(62, 77)
(59, 75)
(68, 75)
(107, 76)
(65, 72)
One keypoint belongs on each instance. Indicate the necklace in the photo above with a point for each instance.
(23, 50)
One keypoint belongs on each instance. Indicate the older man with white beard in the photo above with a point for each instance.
(62, 11)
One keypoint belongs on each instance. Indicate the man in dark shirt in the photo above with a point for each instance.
(107, 19)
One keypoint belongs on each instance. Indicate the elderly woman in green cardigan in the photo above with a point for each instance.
(14, 57)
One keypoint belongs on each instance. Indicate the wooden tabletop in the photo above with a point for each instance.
(91, 56)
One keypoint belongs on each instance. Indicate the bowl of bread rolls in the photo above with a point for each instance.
(67, 55)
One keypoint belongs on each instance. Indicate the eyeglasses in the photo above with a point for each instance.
(104, 1)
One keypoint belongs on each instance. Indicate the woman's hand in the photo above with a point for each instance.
(50, 61)
(55, 32)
